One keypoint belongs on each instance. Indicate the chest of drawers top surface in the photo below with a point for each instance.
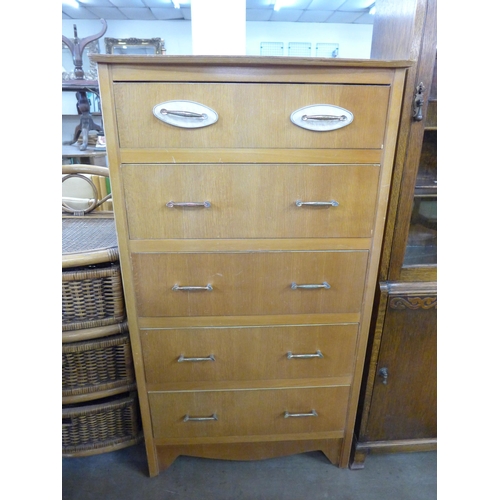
(215, 64)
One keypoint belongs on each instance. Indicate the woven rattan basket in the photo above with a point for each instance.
(92, 297)
(88, 240)
(111, 424)
(97, 366)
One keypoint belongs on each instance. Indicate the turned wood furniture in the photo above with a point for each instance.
(398, 403)
(81, 87)
(250, 197)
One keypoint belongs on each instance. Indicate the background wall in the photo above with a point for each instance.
(354, 39)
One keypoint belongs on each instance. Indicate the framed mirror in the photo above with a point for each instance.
(143, 46)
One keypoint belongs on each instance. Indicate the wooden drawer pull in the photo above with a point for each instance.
(187, 418)
(182, 358)
(313, 413)
(177, 288)
(331, 203)
(188, 204)
(317, 354)
(294, 286)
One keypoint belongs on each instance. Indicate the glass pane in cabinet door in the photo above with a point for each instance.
(421, 247)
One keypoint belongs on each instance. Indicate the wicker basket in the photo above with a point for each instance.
(92, 297)
(97, 366)
(89, 429)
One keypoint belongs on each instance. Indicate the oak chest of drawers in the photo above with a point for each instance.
(250, 196)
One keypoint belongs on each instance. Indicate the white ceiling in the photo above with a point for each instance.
(307, 11)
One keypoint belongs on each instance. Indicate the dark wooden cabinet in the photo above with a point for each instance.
(398, 403)
(402, 402)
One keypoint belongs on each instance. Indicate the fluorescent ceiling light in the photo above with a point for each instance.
(282, 3)
(71, 3)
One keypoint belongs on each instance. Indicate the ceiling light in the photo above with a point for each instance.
(282, 3)
(71, 3)
(176, 3)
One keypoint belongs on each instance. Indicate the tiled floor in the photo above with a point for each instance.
(123, 475)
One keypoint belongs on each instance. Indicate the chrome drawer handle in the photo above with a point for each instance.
(317, 354)
(331, 203)
(334, 118)
(184, 114)
(181, 358)
(294, 286)
(312, 414)
(177, 288)
(172, 204)
(187, 418)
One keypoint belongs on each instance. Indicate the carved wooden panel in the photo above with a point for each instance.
(413, 303)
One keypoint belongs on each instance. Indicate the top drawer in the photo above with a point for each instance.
(252, 115)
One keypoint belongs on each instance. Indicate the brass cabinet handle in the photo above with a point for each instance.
(172, 204)
(294, 286)
(341, 118)
(187, 418)
(331, 203)
(418, 102)
(182, 358)
(177, 288)
(317, 354)
(313, 413)
(184, 114)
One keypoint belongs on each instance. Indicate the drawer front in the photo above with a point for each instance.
(248, 283)
(248, 412)
(250, 115)
(253, 353)
(250, 201)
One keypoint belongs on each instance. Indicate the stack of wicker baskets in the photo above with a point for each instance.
(100, 411)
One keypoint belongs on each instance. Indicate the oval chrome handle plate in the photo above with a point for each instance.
(185, 114)
(321, 117)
